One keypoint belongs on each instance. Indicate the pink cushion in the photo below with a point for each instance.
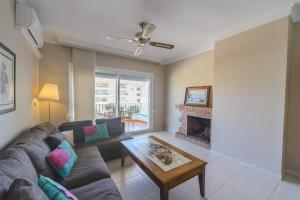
(90, 130)
(59, 157)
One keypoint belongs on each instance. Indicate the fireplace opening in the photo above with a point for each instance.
(199, 127)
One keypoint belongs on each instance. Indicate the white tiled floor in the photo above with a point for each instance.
(225, 179)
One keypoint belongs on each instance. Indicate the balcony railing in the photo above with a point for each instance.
(109, 109)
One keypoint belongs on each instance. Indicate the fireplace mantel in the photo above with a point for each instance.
(202, 112)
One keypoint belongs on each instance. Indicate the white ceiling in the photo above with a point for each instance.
(191, 25)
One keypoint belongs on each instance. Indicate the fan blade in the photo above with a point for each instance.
(120, 39)
(138, 51)
(147, 29)
(162, 45)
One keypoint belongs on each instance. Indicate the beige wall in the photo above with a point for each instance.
(195, 71)
(249, 95)
(158, 71)
(53, 69)
(293, 133)
(26, 114)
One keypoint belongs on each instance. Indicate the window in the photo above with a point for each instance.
(102, 84)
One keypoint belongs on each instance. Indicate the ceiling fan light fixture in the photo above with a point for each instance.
(138, 51)
(119, 38)
(147, 28)
(142, 38)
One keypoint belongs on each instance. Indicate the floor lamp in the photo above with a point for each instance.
(49, 92)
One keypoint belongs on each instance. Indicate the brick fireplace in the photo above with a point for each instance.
(195, 125)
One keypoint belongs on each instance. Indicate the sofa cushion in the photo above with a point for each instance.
(54, 140)
(114, 125)
(28, 135)
(15, 163)
(55, 191)
(88, 168)
(38, 150)
(5, 183)
(62, 159)
(104, 189)
(26, 190)
(45, 127)
(110, 144)
(89, 130)
(113, 143)
(77, 129)
(110, 148)
(90, 133)
(95, 133)
(102, 131)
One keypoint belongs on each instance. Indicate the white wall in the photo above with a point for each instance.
(293, 133)
(195, 71)
(249, 95)
(26, 114)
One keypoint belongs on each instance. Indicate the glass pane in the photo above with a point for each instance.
(134, 104)
(105, 96)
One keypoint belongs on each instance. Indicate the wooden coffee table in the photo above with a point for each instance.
(165, 179)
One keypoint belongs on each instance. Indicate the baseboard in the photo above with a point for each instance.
(264, 171)
(171, 131)
(141, 131)
(149, 130)
(292, 173)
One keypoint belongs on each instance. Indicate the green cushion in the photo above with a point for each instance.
(55, 191)
(102, 131)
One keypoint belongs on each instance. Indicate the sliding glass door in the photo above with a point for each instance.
(134, 103)
(124, 94)
(105, 96)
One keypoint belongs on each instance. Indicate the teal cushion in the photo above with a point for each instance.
(55, 191)
(62, 159)
(101, 133)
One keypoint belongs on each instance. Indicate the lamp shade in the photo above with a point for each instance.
(49, 92)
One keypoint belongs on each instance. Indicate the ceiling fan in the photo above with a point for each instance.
(143, 38)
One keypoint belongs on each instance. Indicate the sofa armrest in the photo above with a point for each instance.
(77, 129)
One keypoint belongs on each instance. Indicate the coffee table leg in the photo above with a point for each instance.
(123, 158)
(202, 182)
(164, 193)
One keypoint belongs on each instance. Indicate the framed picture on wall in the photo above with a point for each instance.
(7, 80)
(197, 96)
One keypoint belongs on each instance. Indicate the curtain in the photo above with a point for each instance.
(84, 63)
(71, 115)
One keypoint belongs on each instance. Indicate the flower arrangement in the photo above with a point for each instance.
(162, 153)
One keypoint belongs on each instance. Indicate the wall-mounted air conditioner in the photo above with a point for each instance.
(27, 22)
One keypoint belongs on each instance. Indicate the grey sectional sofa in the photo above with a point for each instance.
(110, 148)
(26, 159)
